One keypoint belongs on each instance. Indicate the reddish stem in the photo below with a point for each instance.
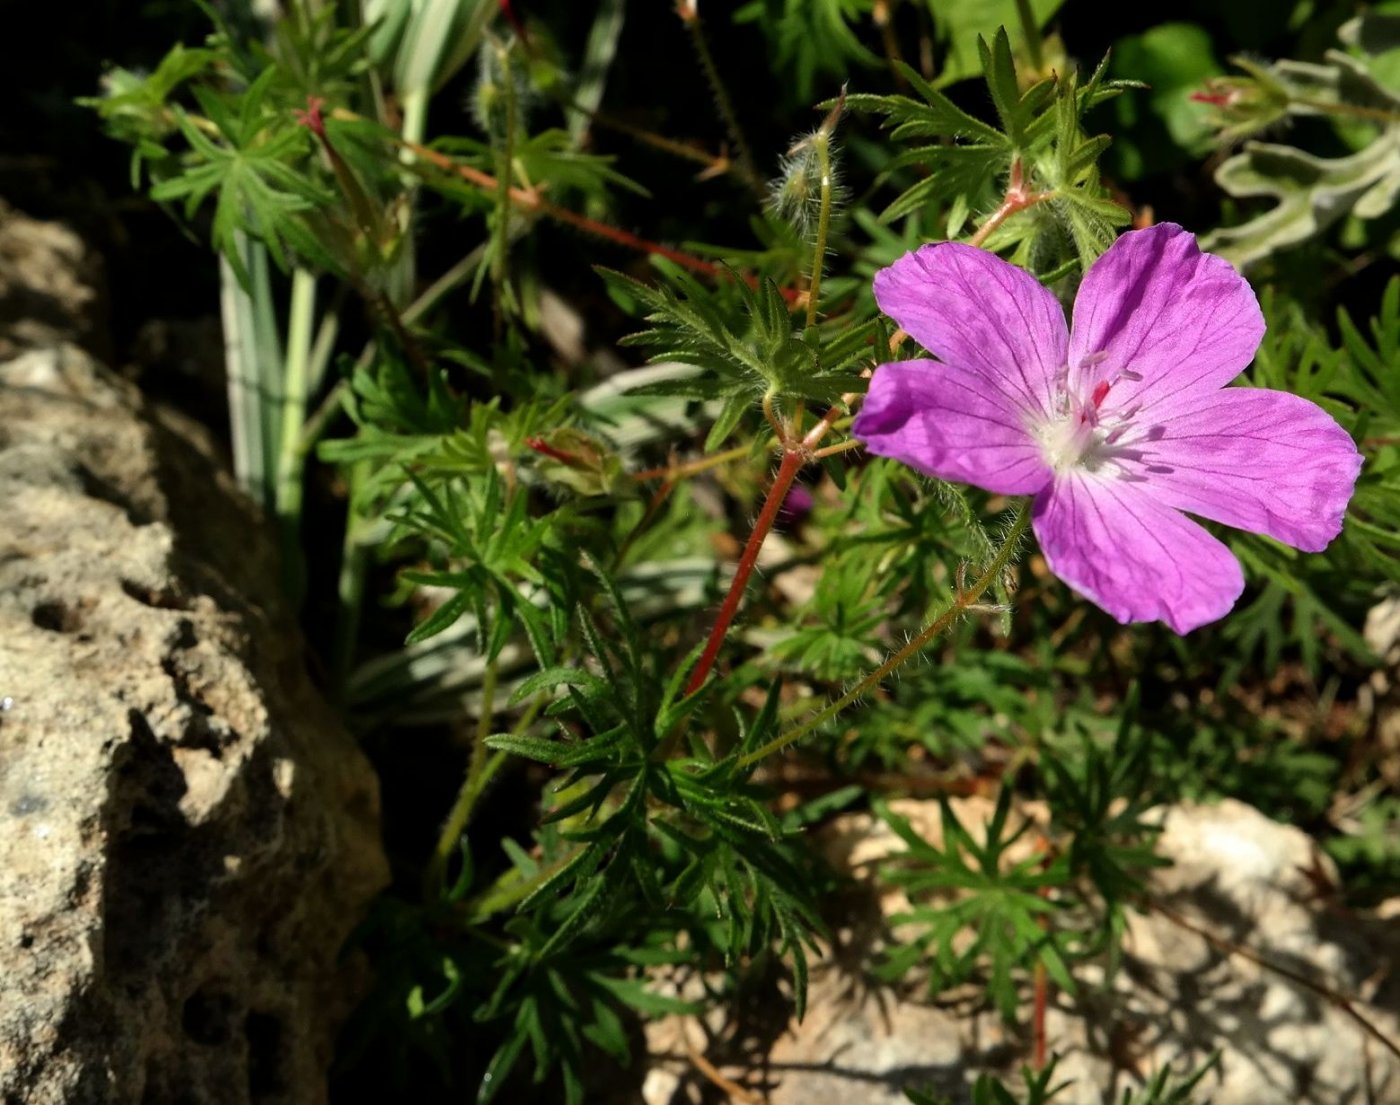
(787, 472)
(532, 201)
(1041, 1000)
(544, 448)
(514, 22)
(1041, 981)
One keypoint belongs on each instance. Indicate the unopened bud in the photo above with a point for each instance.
(1243, 106)
(501, 81)
(809, 175)
(579, 461)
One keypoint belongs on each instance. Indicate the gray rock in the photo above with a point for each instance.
(187, 834)
(49, 285)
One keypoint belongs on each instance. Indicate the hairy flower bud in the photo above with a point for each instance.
(809, 177)
(1244, 106)
(795, 194)
(502, 85)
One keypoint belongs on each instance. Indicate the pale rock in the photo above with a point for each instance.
(187, 833)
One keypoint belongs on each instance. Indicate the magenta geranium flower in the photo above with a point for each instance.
(1117, 424)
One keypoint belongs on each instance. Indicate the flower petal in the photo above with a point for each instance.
(1155, 306)
(1140, 560)
(1259, 460)
(971, 309)
(939, 420)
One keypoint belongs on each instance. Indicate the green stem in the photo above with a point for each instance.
(321, 419)
(350, 588)
(1355, 111)
(505, 172)
(814, 288)
(1031, 29)
(472, 786)
(296, 382)
(415, 118)
(240, 359)
(267, 357)
(332, 404)
(506, 893)
(413, 128)
(324, 346)
(449, 280)
(747, 165)
(964, 599)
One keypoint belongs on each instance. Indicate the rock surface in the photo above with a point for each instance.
(1176, 999)
(48, 285)
(187, 835)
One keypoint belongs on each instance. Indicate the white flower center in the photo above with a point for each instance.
(1071, 441)
(1080, 434)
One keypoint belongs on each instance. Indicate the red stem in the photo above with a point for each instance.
(787, 472)
(1042, 998)
(532, 201)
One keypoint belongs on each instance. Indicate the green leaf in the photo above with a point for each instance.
(960, 23)
(440, 619)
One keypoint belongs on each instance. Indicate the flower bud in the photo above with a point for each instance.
(1243, 106)
(579, 461)
(809, 174)
(501, 81)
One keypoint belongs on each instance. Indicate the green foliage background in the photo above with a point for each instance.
(529, 548)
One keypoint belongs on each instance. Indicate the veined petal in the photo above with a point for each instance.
(1155, 307)
(972, 310)
(1139, 559)
(941, 421)
(1258, 460)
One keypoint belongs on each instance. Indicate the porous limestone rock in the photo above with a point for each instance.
(187, 833)
(49, 286)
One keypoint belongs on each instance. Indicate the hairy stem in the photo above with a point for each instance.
(1018, 197)
(787, 472)
(504, 171)
(461, 813)
(1355, 111)
(961, 602)
(691, 18)
(771, 414)
(531, 201)
(691, 468)
(841, 447)
(1015, 202)
(814, 288)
